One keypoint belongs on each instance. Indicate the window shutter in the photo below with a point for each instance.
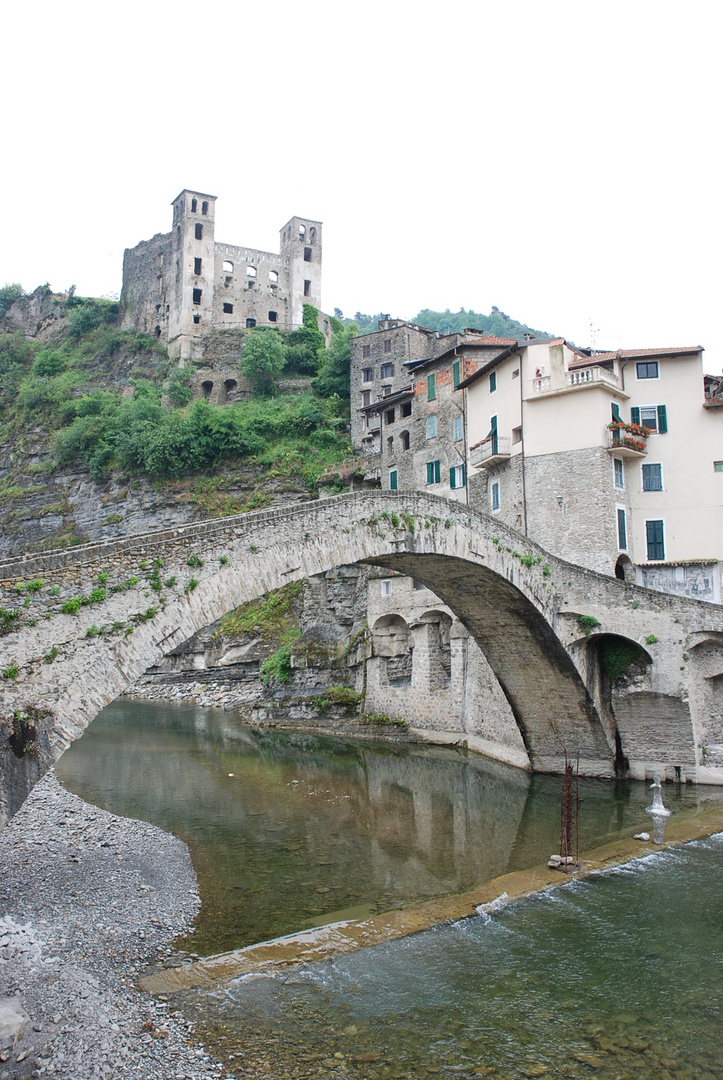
(393, 481)
(464, 475)
(436, 472)
(431, 387)
(455, 374)
(635, 415)
(430, 472)
(615, 411)
(662, 420)
(451, 477)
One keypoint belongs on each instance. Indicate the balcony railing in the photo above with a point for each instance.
(491, 451)
(628, 440)
(580, 377)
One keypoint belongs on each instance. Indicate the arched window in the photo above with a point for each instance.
(250, 271)
(194, 205)
(405, 440)
(206, 388)
(273, 277)
(227, 266)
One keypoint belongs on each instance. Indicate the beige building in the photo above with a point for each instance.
(611, 460)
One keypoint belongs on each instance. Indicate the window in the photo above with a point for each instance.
(197, 294)
(432, 472)
(204, 207)
(407, 408)
(307, 254)
(516, 373)
(196, 319)
(622, 530)
(272, 316)
(417, 585)
(493, 381)
(431, 427)
(387, 371)
(366, 398)
(228, 309)
(495, 495)
(393, 483)
(366, 352)
(307, 287)
(651, 416)
(456, 371)
(390, 446)
(389, 416)
(273, 277)
(458, 429)
(405, 440)
(250, 271)
(302, 232)
(197, 266)
(227, 266)
(431, 387)
(368, 374)
(388, 345)
(517, 434)
(655, 538)
(387, 391)
(647, 370)
(652, 477)
(618, 474)
(194, 205)
(615, 412)
(250, 324)
(456, 476)
(199, 232)
(718, 466)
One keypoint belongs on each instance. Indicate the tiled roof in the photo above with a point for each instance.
(634, 354)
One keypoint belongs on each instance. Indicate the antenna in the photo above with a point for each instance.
(593, 340)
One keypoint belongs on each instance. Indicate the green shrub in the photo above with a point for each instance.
(10, 672)
(51, 655)
(616, 657)
(194, 560)
(72, 606)
(192, 584)
(35, 585)
(587, 623)
(651, 639)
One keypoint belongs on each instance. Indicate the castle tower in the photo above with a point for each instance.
(191, 304)
(300, 243)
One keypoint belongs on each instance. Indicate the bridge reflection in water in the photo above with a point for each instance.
(289, 830)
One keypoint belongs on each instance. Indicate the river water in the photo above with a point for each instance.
(620, 976)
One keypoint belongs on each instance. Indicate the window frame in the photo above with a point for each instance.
(621, 534)
(367, 374)
(433, 472)
(432, 426)
(456, 373)
(495, 499)
(458, 425)
(493, 382)
(647, 364)
(432, 386)
(649, 543)
(457, 476)
(619, 462)
(393, 479)
(385, 373)
(651, 465)
(386, 589)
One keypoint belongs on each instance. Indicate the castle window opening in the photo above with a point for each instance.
(194, 205)
(407, 408)
(227, 266)
(197, 294)
(312, 233)
(389, 416)
(159, 282)
(159, 309)
(273, 316)
(199, 232)
(307, 287)
(250, 271)
(307, 254)
(157, 331)
(197, 266)
(405, 440)
(302, 231)
(250, 324)
(273, 277)
(206, 388)
(390, 445)
(196, 319)
(229, 388)
(388, 345)
(228, 309)
(204, 207)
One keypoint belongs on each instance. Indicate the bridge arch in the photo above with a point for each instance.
(517, 601)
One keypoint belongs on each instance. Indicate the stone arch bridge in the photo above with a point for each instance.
(539, 621)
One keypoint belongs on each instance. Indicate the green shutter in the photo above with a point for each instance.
(455, 374)
(464, 475)
(430, 472)
(393, 480)
(635, 415)
(431, 387)
(451, 477)
(662, 420)
(615, 411)
(437, 473)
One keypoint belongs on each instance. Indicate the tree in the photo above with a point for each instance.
(263, 359)
(8, 295)
(334, 373)
(303, 352)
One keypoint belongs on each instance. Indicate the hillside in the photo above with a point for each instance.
(449, 322)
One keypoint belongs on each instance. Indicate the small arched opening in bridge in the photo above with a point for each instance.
(230, 387)
(207, 388)
(705, 660)
(393, 644)
(613, 663)
(434, 630)
(624, 569)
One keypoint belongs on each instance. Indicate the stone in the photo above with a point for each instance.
(641, 836)
(12, 1022)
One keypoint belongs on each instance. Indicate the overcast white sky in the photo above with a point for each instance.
(560, 160)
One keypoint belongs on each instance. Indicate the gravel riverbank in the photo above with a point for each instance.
(88, 901)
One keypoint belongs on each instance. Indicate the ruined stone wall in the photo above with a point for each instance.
(40, 315)
(255, 285)
(148, 287)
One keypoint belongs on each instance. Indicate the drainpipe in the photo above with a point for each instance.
(522, 450)
(464, 443)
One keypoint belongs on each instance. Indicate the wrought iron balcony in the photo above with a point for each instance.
(491, 451)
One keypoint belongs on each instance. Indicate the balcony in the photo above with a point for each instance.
(578, 379)
(628, 440)
(491, 451)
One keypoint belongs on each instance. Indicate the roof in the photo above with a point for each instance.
(636, 354)
(391, 399)
(476, 343)
(189, 191)
(488, 366)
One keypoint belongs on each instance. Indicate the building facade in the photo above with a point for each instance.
(184, 284)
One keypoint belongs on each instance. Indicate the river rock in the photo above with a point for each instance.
(12, 1022)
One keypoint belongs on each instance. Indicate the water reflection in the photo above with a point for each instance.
(289, 830)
